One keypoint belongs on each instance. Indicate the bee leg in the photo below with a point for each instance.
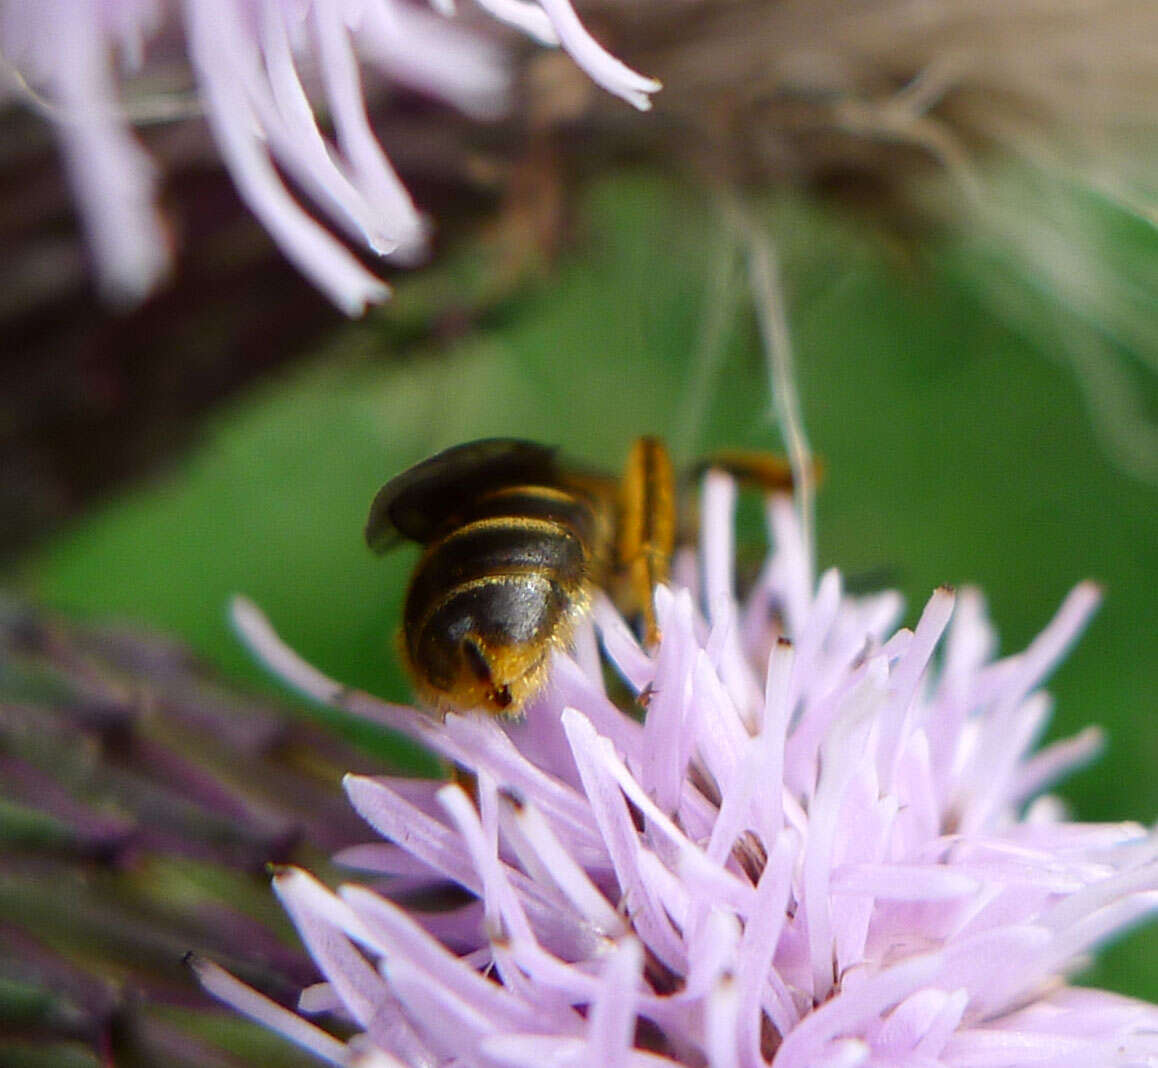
(645, 538)
(755, 468)
(500, 697)
(476, 659)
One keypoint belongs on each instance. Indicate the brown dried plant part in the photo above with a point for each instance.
(815, 89)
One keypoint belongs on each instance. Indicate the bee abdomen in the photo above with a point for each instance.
(500, 545)
(497, 613)
(522, 505)
(507, 580)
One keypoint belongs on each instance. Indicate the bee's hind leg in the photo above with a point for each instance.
(646, 530)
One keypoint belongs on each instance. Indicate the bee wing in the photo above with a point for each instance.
(416, 503)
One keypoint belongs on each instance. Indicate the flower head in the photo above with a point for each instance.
(258, 66)
(821, 846)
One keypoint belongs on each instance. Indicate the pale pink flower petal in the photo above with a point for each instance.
(261, 68)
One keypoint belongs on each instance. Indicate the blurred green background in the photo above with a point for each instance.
(958, 449)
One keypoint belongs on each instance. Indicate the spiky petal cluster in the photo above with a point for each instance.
(819, 848)
(258, 64)
(127, 767)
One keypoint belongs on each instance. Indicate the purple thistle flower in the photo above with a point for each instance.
(820, 847)
(258, 65)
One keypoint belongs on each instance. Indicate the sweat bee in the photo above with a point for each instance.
(514, 539)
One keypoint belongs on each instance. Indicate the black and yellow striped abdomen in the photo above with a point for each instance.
(496, 590)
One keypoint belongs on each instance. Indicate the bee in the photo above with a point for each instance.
(514, 542)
